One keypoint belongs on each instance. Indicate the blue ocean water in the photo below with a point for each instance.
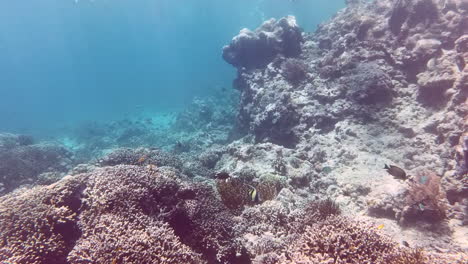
(67, 61)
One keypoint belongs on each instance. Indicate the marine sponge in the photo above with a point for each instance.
(425, 198)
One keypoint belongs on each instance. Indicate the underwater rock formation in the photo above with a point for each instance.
(25, 162)
(382, 82)
(255, 49)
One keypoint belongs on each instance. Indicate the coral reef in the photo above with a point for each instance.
(204, 123)
(134, 214)
(122, 213)
(23, 162)
(255, 49)
(383, 82)
(40, 225)
(425, 198)
(339, 240)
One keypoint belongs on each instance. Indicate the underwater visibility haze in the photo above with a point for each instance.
(70, 61)
(234, 132)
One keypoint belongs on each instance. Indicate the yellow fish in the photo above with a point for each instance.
(380, 226)
(254, 194)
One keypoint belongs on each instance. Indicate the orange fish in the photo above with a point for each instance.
(141, 159)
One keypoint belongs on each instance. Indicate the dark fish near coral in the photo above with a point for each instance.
(396, 172)
(222, 175)
(405, 244)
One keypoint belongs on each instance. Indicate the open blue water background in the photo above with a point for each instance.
(66, 61)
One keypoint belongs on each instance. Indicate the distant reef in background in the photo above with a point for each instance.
(290, 172)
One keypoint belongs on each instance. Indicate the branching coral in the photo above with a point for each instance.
(39, 225)
(319, 210)
(340, 240)
(140, 156)
(22, 163)
(207, 226)
(117, 239)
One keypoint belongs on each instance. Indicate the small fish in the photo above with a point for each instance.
(254, 194)
(326, 170)
(222, 175)
(380, 226)
(421, 206)
(405, 243)
(141, 159)
(396, 172)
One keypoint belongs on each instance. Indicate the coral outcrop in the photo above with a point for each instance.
(25, 162)
(124, 213)
(255, 49)
(384, 82)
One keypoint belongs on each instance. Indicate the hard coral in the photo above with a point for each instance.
(117, 214)
(256, 49)
(320, 210)
(139, 156)
(117, 239)
(39, 225)
(206, 225)
(22, 162)
(338, 239)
